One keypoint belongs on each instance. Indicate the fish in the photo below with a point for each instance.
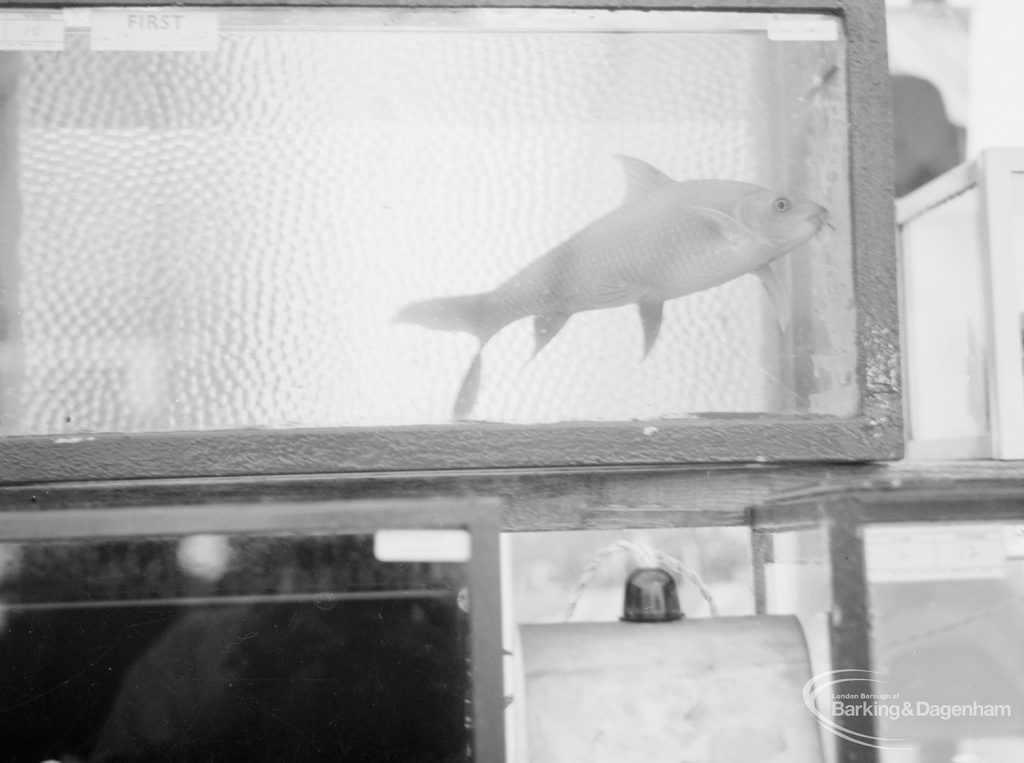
(667, 239)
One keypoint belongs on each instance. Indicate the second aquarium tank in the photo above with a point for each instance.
(227, 218)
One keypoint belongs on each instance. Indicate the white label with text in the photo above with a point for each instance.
(154, 29)
(31, 30)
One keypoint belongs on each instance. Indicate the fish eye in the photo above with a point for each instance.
(781, 204)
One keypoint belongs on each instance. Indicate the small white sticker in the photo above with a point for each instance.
(1014, 535)
(786, 28)
(154, 29)
(421, 545)
(76, 17)
(31, 30)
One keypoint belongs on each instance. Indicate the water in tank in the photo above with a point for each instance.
(331, 217)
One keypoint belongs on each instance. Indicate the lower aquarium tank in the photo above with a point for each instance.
(120, 641)
(225, 218)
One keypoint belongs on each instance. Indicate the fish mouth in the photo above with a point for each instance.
(810, 227)
(822, 219)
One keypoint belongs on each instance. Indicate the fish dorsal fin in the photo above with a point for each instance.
(641, 178)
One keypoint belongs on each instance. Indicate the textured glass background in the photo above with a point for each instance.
(220, 240)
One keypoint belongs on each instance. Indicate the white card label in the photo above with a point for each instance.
(1014, 535)
(421, 545)
(154, 29)
(31, 30)
(934, 552)
(792, 28)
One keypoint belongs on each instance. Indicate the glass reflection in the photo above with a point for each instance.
(217, 648)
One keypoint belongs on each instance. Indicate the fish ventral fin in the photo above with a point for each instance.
(776, 293)
(544, 329)
(651, 314)
(641, 178)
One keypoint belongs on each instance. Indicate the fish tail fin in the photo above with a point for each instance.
(471, 313)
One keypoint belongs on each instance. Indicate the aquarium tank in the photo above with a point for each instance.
(306, 632)
(281, 218)
(961, 237)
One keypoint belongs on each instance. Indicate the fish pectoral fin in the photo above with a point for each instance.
(468, 390)
(545, 327)
(776, 293)
(651, 314)
(641, 178)
(717, 223)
